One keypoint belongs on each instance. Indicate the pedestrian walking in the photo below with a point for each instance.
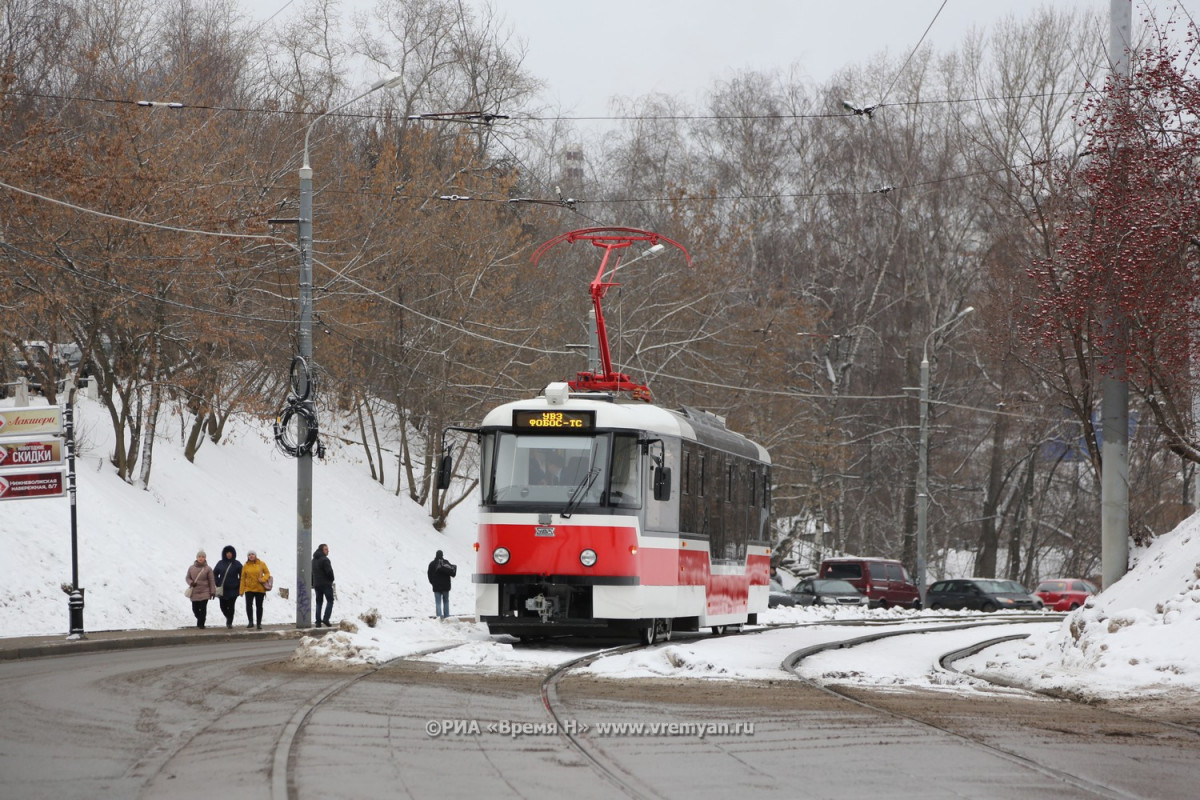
(256, 582)
(201, 587)
(228, 573)
(322, 583)
(440, 572)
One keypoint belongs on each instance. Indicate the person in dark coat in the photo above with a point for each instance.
(322, 583)
(228, 573)
(440, 572)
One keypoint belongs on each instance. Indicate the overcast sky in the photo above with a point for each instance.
(588, 53)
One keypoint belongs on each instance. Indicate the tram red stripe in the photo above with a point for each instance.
(686, 564)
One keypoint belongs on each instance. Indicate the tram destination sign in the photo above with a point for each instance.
(554, 420)
(43, 452)
(27, 485)
(30, 420)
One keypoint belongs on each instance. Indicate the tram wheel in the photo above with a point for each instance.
(656, 630)
(718, 630)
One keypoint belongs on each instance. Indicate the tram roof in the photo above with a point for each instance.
(616, 412)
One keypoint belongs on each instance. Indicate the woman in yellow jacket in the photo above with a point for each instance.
(256, 582)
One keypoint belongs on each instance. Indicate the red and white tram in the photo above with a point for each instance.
(603, 513)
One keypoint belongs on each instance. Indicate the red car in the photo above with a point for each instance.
(1064, 594)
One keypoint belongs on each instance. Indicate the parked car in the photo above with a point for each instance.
(779, 596)
(981, 594)
(1064, 594)
(882, 581)
(827, 592)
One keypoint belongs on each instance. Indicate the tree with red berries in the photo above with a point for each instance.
(1121, 289)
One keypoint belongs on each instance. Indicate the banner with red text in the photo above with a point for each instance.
(44, 452)
(26, 485)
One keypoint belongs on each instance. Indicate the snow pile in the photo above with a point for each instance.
(1142, 633)
(706, 659)
(356, 643)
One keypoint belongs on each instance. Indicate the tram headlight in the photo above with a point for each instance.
(588, 557)
(501, 555)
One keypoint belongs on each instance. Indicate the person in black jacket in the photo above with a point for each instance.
(322, 583)
(440, 572)
(228, 572)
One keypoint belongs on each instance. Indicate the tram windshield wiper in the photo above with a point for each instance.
(580, 491)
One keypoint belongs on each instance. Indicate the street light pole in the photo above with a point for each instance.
(923, 455)
(304, 490)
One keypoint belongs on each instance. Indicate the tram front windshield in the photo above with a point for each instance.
(548, 469)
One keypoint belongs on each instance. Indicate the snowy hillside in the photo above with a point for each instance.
(135, 546)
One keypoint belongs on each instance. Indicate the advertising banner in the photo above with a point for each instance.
(26, 485)
(44, 452)
(30, 420)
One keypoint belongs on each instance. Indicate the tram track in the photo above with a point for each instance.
(159, 765)
(295, 716)
(946, 662)
(621, 779)
(283, 762)
(284, 756)
(603, 766)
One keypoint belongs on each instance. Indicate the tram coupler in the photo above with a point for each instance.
(544, 607)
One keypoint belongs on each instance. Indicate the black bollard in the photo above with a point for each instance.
(75, 607)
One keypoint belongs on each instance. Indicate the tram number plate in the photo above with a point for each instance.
(543, 531)
(554, 420)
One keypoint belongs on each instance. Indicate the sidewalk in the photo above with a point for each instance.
(97, 641)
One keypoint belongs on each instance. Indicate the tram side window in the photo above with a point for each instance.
(486, 467)
(626, 488)
(714, 508)
(690, 518)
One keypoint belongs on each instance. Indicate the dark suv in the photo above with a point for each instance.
(883, 581)
(982, 594)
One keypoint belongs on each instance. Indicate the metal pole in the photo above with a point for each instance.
(923, 478)
(304, 486)
(1114, 402)
(75, 600)
(923, 455)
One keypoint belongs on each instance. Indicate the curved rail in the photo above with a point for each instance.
(283, 762)
(602, 766)
(792, 661)
(946, 662)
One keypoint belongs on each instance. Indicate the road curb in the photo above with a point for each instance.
(139, 639)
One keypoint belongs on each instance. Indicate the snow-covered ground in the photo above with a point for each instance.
(1141, 635)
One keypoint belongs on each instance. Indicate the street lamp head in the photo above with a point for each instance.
(388, 81)
(943, 326)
